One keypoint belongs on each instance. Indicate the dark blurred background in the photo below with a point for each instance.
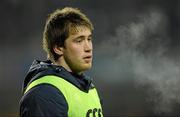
(136, 52)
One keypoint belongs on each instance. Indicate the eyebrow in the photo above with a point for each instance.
(82, 36)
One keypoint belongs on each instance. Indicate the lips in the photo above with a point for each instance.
(87, 58)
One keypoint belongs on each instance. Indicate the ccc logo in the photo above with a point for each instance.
(94, 113)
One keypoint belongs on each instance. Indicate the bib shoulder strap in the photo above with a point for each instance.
(56, 81)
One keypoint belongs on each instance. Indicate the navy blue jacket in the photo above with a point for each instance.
(45, 100)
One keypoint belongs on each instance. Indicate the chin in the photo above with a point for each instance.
(86, 67)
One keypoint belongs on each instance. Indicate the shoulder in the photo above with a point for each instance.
(43, 91)
(43, 100)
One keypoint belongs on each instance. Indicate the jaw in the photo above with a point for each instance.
(81, 68)
(77, 67)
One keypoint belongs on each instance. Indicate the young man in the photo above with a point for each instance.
(58, 87)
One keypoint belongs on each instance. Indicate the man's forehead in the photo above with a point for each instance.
(78, 30)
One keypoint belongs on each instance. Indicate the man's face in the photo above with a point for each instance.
(77, 52)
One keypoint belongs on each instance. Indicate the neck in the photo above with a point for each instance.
(61, 62)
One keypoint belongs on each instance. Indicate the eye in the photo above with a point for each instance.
(90, 39)
(78, 40)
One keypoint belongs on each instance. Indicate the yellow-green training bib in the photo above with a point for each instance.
(80, 104)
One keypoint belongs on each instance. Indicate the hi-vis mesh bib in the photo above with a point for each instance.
(80, 104)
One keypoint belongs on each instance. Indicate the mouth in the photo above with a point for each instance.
(87, 58)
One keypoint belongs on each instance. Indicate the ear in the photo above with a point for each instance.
(58, 50)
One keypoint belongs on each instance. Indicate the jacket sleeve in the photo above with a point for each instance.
(43, 101)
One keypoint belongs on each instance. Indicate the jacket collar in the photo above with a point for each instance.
(42, 68)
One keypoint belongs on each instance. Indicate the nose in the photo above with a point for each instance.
(88, 46)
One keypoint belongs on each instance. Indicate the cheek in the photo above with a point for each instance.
(74, 50)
